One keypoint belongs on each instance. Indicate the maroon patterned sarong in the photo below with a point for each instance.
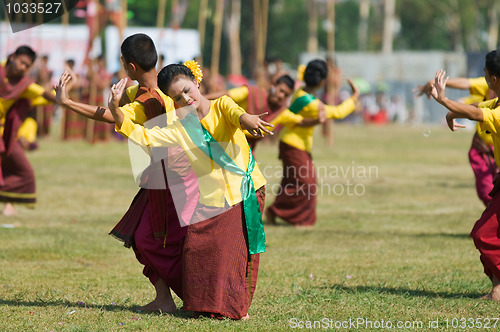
(17, 179)
(74, 126)
(486, 236)
(220, 276)
(483, 165)
(296, 200)
(151, 225)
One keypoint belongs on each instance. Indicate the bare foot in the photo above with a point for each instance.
(495, 292)
(163, 303)
(270, 217)
(494, 295)
(9, 210)
(158, 307)
(246, 317)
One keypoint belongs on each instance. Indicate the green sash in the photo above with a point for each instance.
(301, 102)
(208, 145)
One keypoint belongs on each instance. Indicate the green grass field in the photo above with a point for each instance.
(395, 248)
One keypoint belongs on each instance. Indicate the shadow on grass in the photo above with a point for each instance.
(109, 307)
(402, 292)
(450, 235)
(375, 234)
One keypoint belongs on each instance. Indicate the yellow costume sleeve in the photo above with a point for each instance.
(238, 94)
(342, 110)
(485, 136)
(135, 112)
(132, 92)
(479, 87)
(491, 124)
(287, 118)
(153, 137)
(491, 119)
(28, 130)
(34, 93)
(230, 109)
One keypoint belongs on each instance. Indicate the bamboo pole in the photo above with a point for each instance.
(65, 24)
(219, 11)
(264, 19)
(202, 22)
(330, 8)
(312, 39)
(175, 14)
(92, 99)
(234, 37)
(364, 13)
(388, 37)
(124, 20)
(256, 26)
(260, 18)
(493, 28)
(160, 17)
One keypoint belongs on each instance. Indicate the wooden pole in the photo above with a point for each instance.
(260, 18)
(388, 37)
(330, 8)
(219, 11)
(175, 14)
(493, 28)
(234, 37)
(256, 26)
(65, 23)
(202, 22)
(364, 13)
(312, 39)
(92, 99)
(124, 20)
(160, 17)
(264, 18)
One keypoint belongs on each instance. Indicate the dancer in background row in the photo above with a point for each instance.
(296, 202)
(485, 232)
(256, 100)
(481, 155)
(18, 94)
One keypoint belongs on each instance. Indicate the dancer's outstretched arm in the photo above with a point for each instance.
(98, 113)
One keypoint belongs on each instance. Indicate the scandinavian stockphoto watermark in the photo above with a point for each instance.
(212, 173)
(331, 180)
(26, 14)
(468, 323)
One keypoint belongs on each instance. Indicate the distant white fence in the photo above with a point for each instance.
(402, 71)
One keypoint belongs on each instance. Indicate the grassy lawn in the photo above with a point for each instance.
(391, 243)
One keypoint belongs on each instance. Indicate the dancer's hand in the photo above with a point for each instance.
(452, 123)
(354, 88)
(424, 89)
(114, 100)
(321, 112)
(438, 90)
(116, 94)
(255, 125)
(62, 96)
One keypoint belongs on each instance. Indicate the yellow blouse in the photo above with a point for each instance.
(479, 93)
(33, 93)
(217, 186)
(491, 123)
(239, 95)
(302, 137)
(135, 110)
